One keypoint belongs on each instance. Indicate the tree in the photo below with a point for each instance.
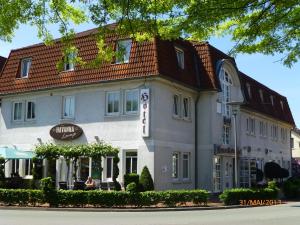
(272, 170)
(146, 180)
(265, 26)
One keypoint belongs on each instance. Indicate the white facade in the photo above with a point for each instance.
(295, 145)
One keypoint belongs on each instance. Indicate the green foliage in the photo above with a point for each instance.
(291, 188)
(37, 170)
(49, 191)
(234, 196)
(116, 172)
(146, 180)
(267, 26)
(97, 198)
(132, 187)
(131, 178)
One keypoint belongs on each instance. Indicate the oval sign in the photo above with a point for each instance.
(66, 131)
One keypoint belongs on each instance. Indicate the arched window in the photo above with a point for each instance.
(226, 83)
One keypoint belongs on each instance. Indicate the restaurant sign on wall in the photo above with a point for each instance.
(66, 131)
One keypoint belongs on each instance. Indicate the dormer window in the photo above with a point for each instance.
(281, 103)
(70, 61)
(180, 57)
(272, 100)
(249, 89)
(261, 94)
(123, 49)
(25, 67)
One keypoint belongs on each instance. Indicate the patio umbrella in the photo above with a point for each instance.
(12, 153)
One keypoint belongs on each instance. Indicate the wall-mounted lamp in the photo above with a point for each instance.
(39, 140)
(97, 139)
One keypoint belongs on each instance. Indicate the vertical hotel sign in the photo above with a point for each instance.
(145, 103)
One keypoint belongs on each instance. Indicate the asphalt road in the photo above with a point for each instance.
(286, 214)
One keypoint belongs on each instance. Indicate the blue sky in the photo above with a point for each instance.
(264, 69)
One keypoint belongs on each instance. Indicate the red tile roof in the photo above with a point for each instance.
(152, 58)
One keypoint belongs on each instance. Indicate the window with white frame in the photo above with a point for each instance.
(112, 102)
(175, 165)
(186, 108)
(180, 57)
(263, 126)
(265, 134)
(131, 162)
(274, 132)
(68, 107)
(283, 133)
(186, 166)
(18, 111)
(217, 174)
(69, 62)
(15, 166)
(131, 101)
(123, 49)
(30, 110)
(109, 167)
(226, 134)
(226, 84)
(28, 167)
(25, 67)
(176, 105)
(250, 126)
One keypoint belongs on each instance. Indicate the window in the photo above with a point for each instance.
(274, 132)
(249, 89)
(217, 174)
(68, 107)
(28, 167)
(186, 108)
(283, 133)
(25, 67)
(109, 167)
(226, 84)
(70, 61)
(176, 108)
(18, 111)
(30, 110)
(281, 103)
(261, 94)
(112, 102)
(226, 136)
(132, 101)
(263, 127)
(180, 57)
(251, 126)
(186, 166)
(131, 162)
(15, 166)
(175, 165)
(123, 49)
(272, 100)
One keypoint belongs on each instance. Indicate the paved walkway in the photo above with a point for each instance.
(286, 214)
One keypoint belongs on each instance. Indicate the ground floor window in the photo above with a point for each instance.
(109, 168)
(131, 162)
(15, 166)
(84, 168)
(217, 174)
(175, 165)
(28, 167)
(186, 165)
(247, 172)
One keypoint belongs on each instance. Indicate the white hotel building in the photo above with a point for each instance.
(184, 135)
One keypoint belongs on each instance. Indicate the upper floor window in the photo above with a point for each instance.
(132, 101)
(283, 133)
(180, 57)
(261, 94)
(30, 110)
(112, 102)
(249, 89)
(226, 83)
(272, 99)
(186, 108)
(25, 67)
(17, 111)
(251, 126)
(68, 107)
(176, 105)
(274, 132)
(281, 104)
(226, 134)
(69, 63)
(123, 49)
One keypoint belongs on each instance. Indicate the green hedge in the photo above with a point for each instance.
(234, 196)
(291, 188)
(104, 198)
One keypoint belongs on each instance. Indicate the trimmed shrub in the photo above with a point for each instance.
(236, 195)
(97, 198)
(131, 177)
(132, 187)
(146, 180)
(291, 188)
(49, 191)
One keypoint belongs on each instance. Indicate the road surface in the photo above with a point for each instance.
(286, 214)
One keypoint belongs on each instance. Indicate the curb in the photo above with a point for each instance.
(124, 209)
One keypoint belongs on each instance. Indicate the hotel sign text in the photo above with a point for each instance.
(66, 131)
(145, 103)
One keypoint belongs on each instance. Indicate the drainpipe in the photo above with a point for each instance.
(196, 141)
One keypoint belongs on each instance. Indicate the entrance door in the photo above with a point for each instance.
(228, 173)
